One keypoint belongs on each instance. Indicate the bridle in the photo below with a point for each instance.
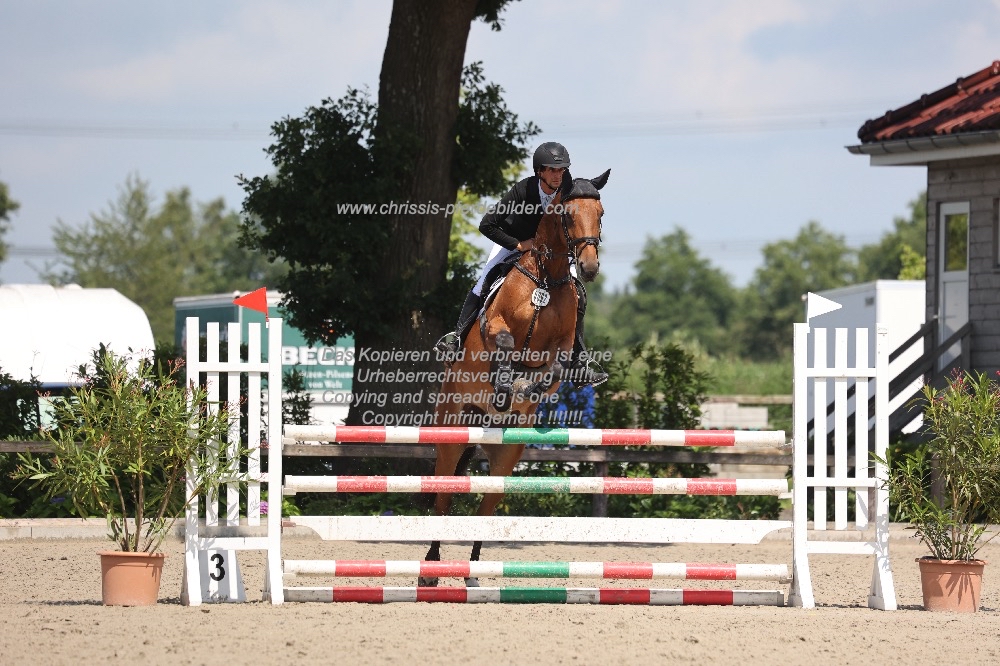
(577, 245)
(542, 281)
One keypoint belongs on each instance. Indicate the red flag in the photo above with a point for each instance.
(255, 300)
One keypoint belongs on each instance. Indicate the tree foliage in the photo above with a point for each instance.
(814, 260)
(7, 206)
(913, 265)
(319, 210)
(324, 161)
(19, 412)
(465, 258)
(677, 294)
(894, 253)
(488, 11)
(154, 254)
(489, 138)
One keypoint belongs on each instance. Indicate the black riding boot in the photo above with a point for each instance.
(451, 342)
(583, 371)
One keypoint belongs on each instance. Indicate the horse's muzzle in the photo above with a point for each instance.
(589, 268)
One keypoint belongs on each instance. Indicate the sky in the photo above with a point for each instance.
(726, 118)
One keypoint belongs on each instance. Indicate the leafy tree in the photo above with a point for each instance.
(383, 275)
(814, 260)
(677, 294)
(21, 419)
(463, 226)
(154, 255)
(469, 209)
(885, 260)
(296, 406)
(19, 411)
(914, 264)
(7, 206)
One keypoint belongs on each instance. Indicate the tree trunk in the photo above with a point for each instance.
(418, 95)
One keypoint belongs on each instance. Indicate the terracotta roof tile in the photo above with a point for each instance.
(971, 104)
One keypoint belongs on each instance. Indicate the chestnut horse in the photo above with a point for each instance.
(516, 356)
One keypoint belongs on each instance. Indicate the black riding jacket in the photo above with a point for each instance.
(515, 218)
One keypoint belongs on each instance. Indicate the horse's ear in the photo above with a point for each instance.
(601, 180)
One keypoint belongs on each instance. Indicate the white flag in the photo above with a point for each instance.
(816, 305)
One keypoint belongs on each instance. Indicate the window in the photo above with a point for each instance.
(955, 237)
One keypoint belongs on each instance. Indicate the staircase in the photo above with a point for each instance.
(924, 367)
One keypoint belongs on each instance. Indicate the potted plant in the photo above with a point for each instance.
(123, 445)
(948, 489)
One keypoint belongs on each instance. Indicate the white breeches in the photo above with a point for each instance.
(498, 254)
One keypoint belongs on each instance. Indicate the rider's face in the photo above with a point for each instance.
(551, 178)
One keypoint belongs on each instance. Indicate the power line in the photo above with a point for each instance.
(720, 120)
(31, 251)
(609, 249)
(154, 132)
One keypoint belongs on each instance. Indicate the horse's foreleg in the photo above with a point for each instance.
(451, 460)
(503, 372)
(486, 508)
(526, 389)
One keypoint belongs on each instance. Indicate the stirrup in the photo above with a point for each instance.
(449, 343)
(581, 373)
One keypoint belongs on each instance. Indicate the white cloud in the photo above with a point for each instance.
(263, 46)
(704, 60)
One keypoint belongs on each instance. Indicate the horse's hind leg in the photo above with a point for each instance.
(451, 460)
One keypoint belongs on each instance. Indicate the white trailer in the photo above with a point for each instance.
(49, 332)
(897, 304)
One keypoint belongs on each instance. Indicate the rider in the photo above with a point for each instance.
(511, 225)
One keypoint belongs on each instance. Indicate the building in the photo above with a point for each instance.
(955, 133)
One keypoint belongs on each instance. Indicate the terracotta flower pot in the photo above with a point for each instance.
(951, 585)
(130, 579)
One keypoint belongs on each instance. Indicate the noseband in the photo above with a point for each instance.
(577, 245)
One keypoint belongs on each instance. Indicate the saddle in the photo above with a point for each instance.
(495, 279)
(498, 274)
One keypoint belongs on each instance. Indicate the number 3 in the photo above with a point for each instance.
(220, 571)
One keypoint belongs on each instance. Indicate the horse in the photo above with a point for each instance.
(517, 355)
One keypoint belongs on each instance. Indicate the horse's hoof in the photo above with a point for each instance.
(522, 387)
(427, 582)
(502, 398)
(472, 582)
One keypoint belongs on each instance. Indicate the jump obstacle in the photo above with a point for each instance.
(212, 537)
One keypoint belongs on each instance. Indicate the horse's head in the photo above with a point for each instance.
(582, 223)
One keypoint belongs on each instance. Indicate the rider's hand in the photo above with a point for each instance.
(526, 245)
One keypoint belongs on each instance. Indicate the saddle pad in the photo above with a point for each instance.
(492, 293)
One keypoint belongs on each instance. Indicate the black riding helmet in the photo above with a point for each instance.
(550, 154)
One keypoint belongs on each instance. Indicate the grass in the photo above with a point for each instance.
(731, 376)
